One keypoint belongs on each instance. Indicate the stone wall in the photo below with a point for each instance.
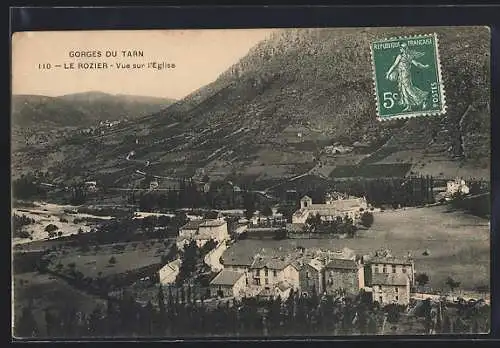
(346, 279)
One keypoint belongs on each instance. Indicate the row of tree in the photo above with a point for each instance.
(19, 222)
(339, 225)
(192, 259)
(300, 315)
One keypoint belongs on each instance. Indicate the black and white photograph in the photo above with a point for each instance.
(251, 183)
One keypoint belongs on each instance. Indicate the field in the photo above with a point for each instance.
(46, 292)
(45, 214)
(458, 243)
(128, 256)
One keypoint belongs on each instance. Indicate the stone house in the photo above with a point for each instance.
(281, 289)
(228, 284)
(311, 276)
(391, 288)
(168, 273)
(202, 231)
(270, 270)
(344, 274)
(390, 264)
(335, 205)
(190, 229)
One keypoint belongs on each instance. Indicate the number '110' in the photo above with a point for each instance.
(44, 66)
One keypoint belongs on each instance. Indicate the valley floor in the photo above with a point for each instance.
(458, 243)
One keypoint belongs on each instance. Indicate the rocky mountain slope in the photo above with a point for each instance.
(273, 113)
(81, 109)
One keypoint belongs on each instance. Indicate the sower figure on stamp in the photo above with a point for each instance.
(400, 71)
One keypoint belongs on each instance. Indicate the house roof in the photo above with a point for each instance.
(390, 279)
(244, 253)
(301, 212)
(283, 286)
(226, 277)
(316, 264)
(339, 205)
(273, 262)
(174, 265)
(342, 264)
(391, 260)
(192, 225)
(212, 223)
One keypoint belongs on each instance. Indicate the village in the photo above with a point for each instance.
(271, 273)
(317, 250)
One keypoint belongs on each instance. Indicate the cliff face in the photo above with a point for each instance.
(272, 112)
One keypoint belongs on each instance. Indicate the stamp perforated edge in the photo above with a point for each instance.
(439, 73)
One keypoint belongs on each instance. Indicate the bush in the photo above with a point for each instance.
(367, 219)
(51, 230)
(421, 279)
(18, 222)
(112, 260)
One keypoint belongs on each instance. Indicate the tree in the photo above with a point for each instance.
(267, 211)
(94, 321)
(26, 326)
(367, 219)
(393, 313)
(205, 179)
(188, 261)
(59, 267)
(112, 260)
(78, 193)
(453, 284)
(422, 279)
(179, 220)
(249, 205)
(51, 230)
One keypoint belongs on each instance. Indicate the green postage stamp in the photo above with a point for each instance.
(407, 77)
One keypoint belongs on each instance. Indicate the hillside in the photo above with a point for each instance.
(272, 114)
(80, 109)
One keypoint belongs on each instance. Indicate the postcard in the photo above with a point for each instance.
(250, 183)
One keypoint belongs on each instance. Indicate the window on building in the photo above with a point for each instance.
(257, 281)
(397, 298)
(266, 272)
(396, 289)
(380, 299)
(394, 269)
(307, 275)
(404, 269)
(384, 270)
(266, 281)
(274, 273)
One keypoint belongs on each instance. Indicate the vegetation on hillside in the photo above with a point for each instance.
(316, 83)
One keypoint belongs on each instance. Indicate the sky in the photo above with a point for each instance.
(199, 57)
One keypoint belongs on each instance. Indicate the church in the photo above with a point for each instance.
(336, 204)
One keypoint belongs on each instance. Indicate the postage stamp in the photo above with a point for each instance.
(407, 77)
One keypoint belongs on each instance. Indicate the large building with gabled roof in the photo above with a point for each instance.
(335, 205)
